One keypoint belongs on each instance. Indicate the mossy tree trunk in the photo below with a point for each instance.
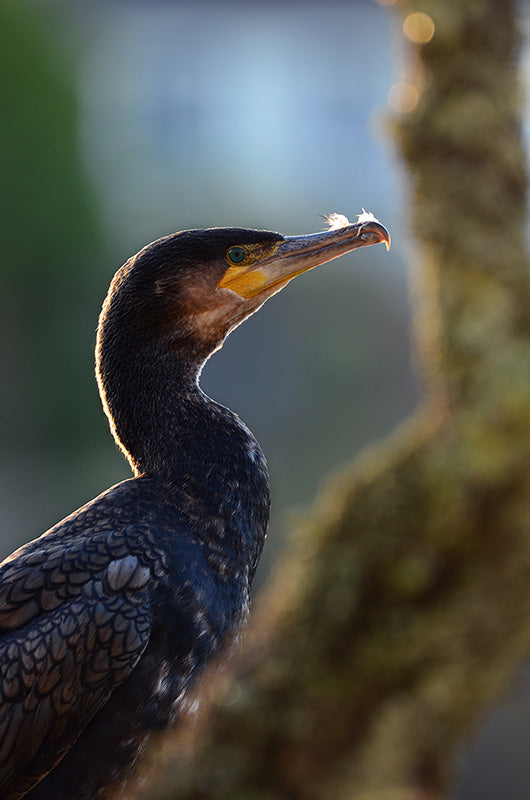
(400, 611)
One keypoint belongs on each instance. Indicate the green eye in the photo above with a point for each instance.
(236, 255)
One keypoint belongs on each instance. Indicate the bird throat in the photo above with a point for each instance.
(168, 427)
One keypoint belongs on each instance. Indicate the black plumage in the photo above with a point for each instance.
(108, 618)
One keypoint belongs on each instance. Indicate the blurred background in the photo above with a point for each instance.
(123, 121)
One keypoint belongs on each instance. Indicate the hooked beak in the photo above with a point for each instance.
(297, 254)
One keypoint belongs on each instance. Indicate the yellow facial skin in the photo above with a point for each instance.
(244, 281)
(245, 284)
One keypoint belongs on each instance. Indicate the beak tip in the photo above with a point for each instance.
(379, 230)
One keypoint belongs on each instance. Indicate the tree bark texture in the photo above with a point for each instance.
(400, 611)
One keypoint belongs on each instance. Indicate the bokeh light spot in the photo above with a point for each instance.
(403, 97)
(419, 27)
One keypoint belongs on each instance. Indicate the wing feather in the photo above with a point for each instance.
(75, 619)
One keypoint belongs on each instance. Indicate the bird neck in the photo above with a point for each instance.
(203, 459)
(163, 421)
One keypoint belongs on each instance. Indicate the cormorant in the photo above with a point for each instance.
(109, 617)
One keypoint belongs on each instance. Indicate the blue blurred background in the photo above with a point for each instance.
(123, 121)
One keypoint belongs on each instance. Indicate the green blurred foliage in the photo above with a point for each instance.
(51, 240)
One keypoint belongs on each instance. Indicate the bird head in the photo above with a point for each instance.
(192, 288)
(172, 305)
